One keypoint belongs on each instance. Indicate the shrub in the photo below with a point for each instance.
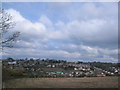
(9, 74)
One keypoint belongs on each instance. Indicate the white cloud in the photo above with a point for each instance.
(109, 52)
(16, 15)
(92, 30)
(90, 50)
(45, 20)
(28, 29)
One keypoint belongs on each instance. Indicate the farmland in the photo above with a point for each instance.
(86, 82)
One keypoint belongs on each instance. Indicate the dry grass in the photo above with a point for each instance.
(93, 82)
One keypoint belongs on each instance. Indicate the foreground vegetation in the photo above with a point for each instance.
(86, 82)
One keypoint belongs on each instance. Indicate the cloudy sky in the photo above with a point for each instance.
(78, 31)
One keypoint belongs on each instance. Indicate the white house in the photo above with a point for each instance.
(12, 62)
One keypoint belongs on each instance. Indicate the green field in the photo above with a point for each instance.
(92, 82)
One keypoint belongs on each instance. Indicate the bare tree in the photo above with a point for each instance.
(7, 38)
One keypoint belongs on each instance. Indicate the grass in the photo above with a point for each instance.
(87, 82)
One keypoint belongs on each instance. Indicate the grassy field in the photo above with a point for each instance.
(92, 82)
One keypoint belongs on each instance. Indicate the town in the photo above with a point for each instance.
(37, 68)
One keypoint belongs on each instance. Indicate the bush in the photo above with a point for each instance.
(9, 74)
